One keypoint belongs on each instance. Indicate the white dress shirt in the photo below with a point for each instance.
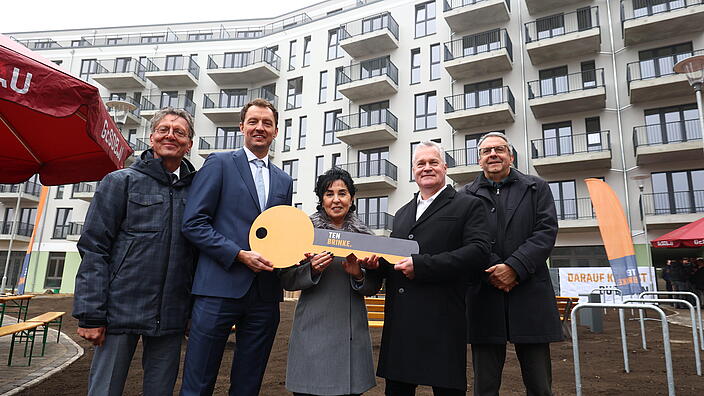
(253, 169)
(422, 204)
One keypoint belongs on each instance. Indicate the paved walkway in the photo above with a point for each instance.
(56, 357)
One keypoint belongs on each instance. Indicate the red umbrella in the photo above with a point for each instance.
(52, 123)
(690, 235)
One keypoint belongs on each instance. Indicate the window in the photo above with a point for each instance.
(235, 59)
(471, 149)
(79, 43)
(338, 78)
(319, 166)
(288, 131)
(372, 162)
(174, 62)
(563, 192)
(169, 98)
(434, 62)
(553, 81)
(481, 42)
(334, 51)
(248, 33)
(557, 139)
(550, 26)
(15, 266)
(132, 137)
(292, 55)
(373, 212)
(425, 19)
(54, 270)
(43, 44)
(660, 61)
(302, 132)
(294, 95)
(415, 66)
(593, 128)
(323, 94)
(485, 93)
(63, 217)
(151, 39)
(677, 192)
(232, 98)
(88, 67)
(643, 8)
(374, 67)
(578, 256)
(113, 41)
(306, 51)
(373, 113)
(335, 159)
(118, 96)
(329, 127)
(588, 74)
(199, 36)
(229, 138)
(672, 124)
(426, 111)
(291, 169)
(59, 192)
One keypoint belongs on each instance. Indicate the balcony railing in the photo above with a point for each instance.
(75, 228)
(157, 102)
(368, 25)
(449, 5)
(221, 142)
(462, 157)
(127, 99)
(574, 209)
(377, 220)
(656, 67)
(477, 99)
(571, 144)
(371, 168)
(85, 187)
(566, 83)
(138, 145)
(121, 65)
(237, 60)
(173, 63)
(562, 24)
(60, 231)
(634, 9)
(673, 202)
(24, 229)
(670, 132)
(368, 69)
(479, 43)
(30, 187)
(223, 100)
(363, 120)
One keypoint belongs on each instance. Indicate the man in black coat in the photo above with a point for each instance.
(423, 342)
(513, 300)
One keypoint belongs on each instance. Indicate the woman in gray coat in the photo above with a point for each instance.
(330, 350)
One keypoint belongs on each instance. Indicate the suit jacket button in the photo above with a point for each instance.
(410, 236)
(401, 290)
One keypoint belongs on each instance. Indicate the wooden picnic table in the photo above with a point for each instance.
(18, 304)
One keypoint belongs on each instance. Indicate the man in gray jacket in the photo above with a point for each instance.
(136, 270)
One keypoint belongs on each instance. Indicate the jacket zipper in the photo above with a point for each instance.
(168, 257)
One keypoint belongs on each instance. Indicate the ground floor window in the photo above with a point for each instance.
(578, 256)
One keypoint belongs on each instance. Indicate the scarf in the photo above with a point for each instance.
(352, 223)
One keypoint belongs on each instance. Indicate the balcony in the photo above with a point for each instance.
(369, 127)
(369, 36)
(84, 190)
(537, 6)
(672, 141)
(213, 144)
(22, 233)
(483, 108)
(381, 223)
(575, 215)
(138, 146)
(154, 103)
(463, 165)
(649, 20)
(673, 207)
(654, 79)
(479, 54)
(120, 74)
(571, 93)
(30, 193)
(371, 79)
(377, 175)
(172, 71)
(244, 67)
(226, 106)
(74, 231)
(134, 118)
(461, 14)
(563, 36)
(572, 152)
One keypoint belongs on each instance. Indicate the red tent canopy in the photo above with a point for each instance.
(52, 123)
(690, 235)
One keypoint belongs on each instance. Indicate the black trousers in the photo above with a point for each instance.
(395, 388)
(488, 364)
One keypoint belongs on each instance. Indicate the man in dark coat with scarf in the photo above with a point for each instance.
(136, 272)
(513, 301)
(423, 341)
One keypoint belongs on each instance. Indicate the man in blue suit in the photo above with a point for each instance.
(233, 284)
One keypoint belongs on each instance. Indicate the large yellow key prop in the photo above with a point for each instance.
(283, 234)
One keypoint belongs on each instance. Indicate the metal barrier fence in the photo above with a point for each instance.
(367, 69)
(368, 118)
(462, 157)
(84, 187)
(233, 100)
(574, 209)
(673, 202)
(235, 60)
(561, 24)
(75, 228)
(30, 187)
(477, 99)
(449, 5)
(371, 168)
(669, 132)
(24, 229)
(572, 82)
(368, 25)
(697, 304)
(634, 9)
(571, 144)
(479, 43)
(173, 63)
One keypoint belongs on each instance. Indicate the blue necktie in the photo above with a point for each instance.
(259, 183)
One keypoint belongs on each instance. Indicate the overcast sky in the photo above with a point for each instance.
(34, 15)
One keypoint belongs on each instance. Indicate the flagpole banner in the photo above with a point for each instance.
(579, 281)
(616, 236)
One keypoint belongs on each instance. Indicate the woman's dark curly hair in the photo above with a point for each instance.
(325, 181)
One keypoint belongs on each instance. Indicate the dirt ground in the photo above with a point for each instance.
(601, 359)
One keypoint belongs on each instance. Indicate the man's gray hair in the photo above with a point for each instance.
(159, 115)
(436, 146)
(497, 134)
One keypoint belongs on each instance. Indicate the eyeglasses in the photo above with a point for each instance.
(503, 149)
(163, 131)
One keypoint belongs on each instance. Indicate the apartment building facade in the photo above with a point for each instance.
(582, 89)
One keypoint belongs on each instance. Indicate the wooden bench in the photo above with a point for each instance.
(375, 312)
(20, 332)
(46, 320)
(564, 308)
